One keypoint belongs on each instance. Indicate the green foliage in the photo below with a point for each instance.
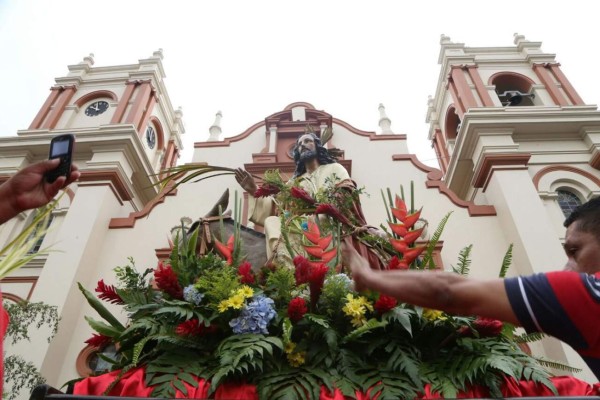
(333, 297)
(19, 374)
(506, 261)
(129, 278)
(463, 261)
(435, 238)
(281, 283)
(217, 284)
(26, 315)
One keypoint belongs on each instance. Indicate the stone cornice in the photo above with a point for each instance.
(434, 180)
(492, 161)
(107, 177)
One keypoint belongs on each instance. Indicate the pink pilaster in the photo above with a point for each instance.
(43, 113)
(463, 88)
(542, 72)
(566, 85)
(59, 106)
(482, 92)
(122, 106)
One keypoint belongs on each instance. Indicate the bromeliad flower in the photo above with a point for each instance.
(245, 273)
(299, 193)
(266, 190)
(166, 280)
(99, 341)
(296, 309)
(385, 303)
(193, 327)
(108, 293)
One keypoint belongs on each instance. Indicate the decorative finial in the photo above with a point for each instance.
(445, 39)
(158, 54)
(179, 112)
(89, 60)
(384, 122)
(215, 130)
(518, 38)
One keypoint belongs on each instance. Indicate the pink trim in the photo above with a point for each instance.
(463, 88)
(169, 154)
(106, 177)
(441, 150)
(33, 280)
(122, 107)
(227, 141)
(538, 176)
(542, 72)
(141, 100)
(95, 95)
(482, 92)
(434, 177)
(299, 104)
(129, 221)
(43, 113)
(515, 75)
(566, 85)
(147, 113)
(59, 107)
(456, 98)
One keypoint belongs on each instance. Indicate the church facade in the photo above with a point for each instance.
(517, 147)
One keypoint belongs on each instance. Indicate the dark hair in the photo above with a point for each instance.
(323, 156)
(588, 215)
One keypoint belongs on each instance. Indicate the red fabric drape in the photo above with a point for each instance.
(4, 318)
(132, 384)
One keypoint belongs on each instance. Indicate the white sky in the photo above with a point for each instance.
(250, 59)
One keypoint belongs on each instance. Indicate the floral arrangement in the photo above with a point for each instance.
(291, 330)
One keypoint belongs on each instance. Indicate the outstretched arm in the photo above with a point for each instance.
(246, 181)
(28, 188)
(453, 293)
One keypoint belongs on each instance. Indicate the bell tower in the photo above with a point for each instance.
(511, 131)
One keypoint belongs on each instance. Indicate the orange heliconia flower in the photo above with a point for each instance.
(319, 246)
(226, 250)
(407, 235)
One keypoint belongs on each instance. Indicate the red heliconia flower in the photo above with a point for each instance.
(395, 263)
(296, 309)
(385, 303)
(313, 234)
(303, 268)
(166, 280)
(400, 210)
(245, 273)
(302, 194)
(99, 341)
(411, 254)
(193, 327)
(333, 212)
(316, 279)
(108, 293)
(266, 190)
(226, 251)
(323, 256)
(487, 327)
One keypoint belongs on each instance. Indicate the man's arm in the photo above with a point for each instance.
(28, 188)
(452, 293)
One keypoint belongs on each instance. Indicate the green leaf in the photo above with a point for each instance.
(100, 309)
(103, 328)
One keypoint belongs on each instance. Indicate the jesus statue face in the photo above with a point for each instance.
(306, 147)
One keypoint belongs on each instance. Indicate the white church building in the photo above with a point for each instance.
(517, 146)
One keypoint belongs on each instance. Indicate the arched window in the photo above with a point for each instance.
(513, 89)
(567, 201)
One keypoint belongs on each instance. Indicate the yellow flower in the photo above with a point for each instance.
(357, 308)
(433, 315)
(297, 359)
(236, 301)
(245, 291)
(223, 306)
(357, 322)
(289, 347)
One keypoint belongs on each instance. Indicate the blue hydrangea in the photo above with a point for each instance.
(255, 316)
(304, 226)
(192, 295)
(340, 279)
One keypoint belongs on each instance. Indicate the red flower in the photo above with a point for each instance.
(226, 251)
(245, 272)
(266, 190)
(166, 280)
(296, 309)
(301, 194)
(385, 303)
(395, 263)
(487, 327)
(108, 293)
(333, 212)
(193, 327)
(316, 279)
(303, 268)
(98, 341)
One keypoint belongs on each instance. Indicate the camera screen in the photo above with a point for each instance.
(60, 148)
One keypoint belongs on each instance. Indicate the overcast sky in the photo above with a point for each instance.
(250, 59)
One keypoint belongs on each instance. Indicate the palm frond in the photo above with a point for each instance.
(434, 240)
(506, 261)
(463, 261)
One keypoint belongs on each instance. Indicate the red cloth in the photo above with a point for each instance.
(132, 384)
(4, 318)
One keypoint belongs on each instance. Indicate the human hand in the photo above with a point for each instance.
(358, 265)
(29, 189)
(245, 180)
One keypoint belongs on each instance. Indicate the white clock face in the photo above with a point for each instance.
(150, 137)
(96, 108)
